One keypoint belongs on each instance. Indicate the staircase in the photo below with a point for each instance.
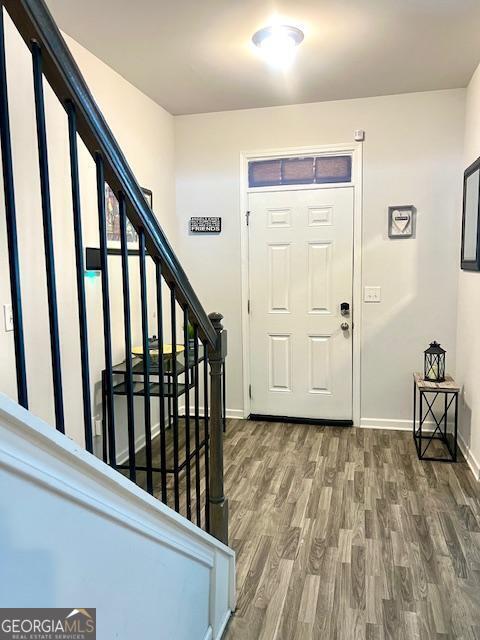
(180, 463)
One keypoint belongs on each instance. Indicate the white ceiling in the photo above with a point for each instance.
(194, 56)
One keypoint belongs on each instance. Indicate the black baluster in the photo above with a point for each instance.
(174, 387)
(128, 337)
(104, 418)
(161, 374)
(206, 436)
(11, 220)
(48, 236)
(197, 425)
(146, 362)
(107, 341)
(186, 355)
(169, 394)
(82, 307)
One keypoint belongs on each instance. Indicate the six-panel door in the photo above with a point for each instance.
(301, 265)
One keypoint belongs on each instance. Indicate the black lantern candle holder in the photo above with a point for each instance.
(435, 363)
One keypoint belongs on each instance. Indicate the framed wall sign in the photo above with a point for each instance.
(401, 221)
(470, 260)
(205, 224)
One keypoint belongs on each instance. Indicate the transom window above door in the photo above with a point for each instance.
(304, 170)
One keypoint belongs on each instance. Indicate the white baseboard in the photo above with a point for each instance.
(387, 423)
(469, 457)
(122, 456)
(236, 414)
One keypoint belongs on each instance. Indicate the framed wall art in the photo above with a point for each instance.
(470, 255)
(401, 221)
(112, 214)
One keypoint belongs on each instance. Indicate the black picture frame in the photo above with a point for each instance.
(148, 196)
(205, 224)
(112, 214)
(470, 260)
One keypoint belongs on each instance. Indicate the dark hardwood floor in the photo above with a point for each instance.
(342, 533)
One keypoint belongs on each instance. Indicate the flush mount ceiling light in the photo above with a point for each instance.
(278, 43)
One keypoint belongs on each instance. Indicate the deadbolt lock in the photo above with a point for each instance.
(344, 308)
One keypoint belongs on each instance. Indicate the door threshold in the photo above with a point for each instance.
(322, 422)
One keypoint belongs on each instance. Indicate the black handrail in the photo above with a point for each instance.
(52, 59)
(35, 24)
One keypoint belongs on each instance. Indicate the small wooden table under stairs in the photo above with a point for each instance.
(448, 390)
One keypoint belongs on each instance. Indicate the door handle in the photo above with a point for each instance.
(344, 326)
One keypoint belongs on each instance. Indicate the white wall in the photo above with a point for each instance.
(79, 532)
(146, 135)
(412, 155)
(468, 337)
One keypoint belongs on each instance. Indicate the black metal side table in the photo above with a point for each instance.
(169, 390)
(428, 393)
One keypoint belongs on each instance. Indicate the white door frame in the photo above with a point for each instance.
(355, 149)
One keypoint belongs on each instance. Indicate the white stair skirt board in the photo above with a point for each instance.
(73, 530)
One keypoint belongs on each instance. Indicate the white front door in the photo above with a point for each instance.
(300, 269)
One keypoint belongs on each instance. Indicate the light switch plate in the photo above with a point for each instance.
(372, 294)
(8, 316)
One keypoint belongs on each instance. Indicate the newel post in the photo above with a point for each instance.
(218, 502)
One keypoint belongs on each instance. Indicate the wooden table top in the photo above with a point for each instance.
(449, 385)
(167, 350)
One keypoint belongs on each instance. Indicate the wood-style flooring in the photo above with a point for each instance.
(343, 533)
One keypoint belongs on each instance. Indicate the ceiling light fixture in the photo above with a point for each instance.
(278, 43)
